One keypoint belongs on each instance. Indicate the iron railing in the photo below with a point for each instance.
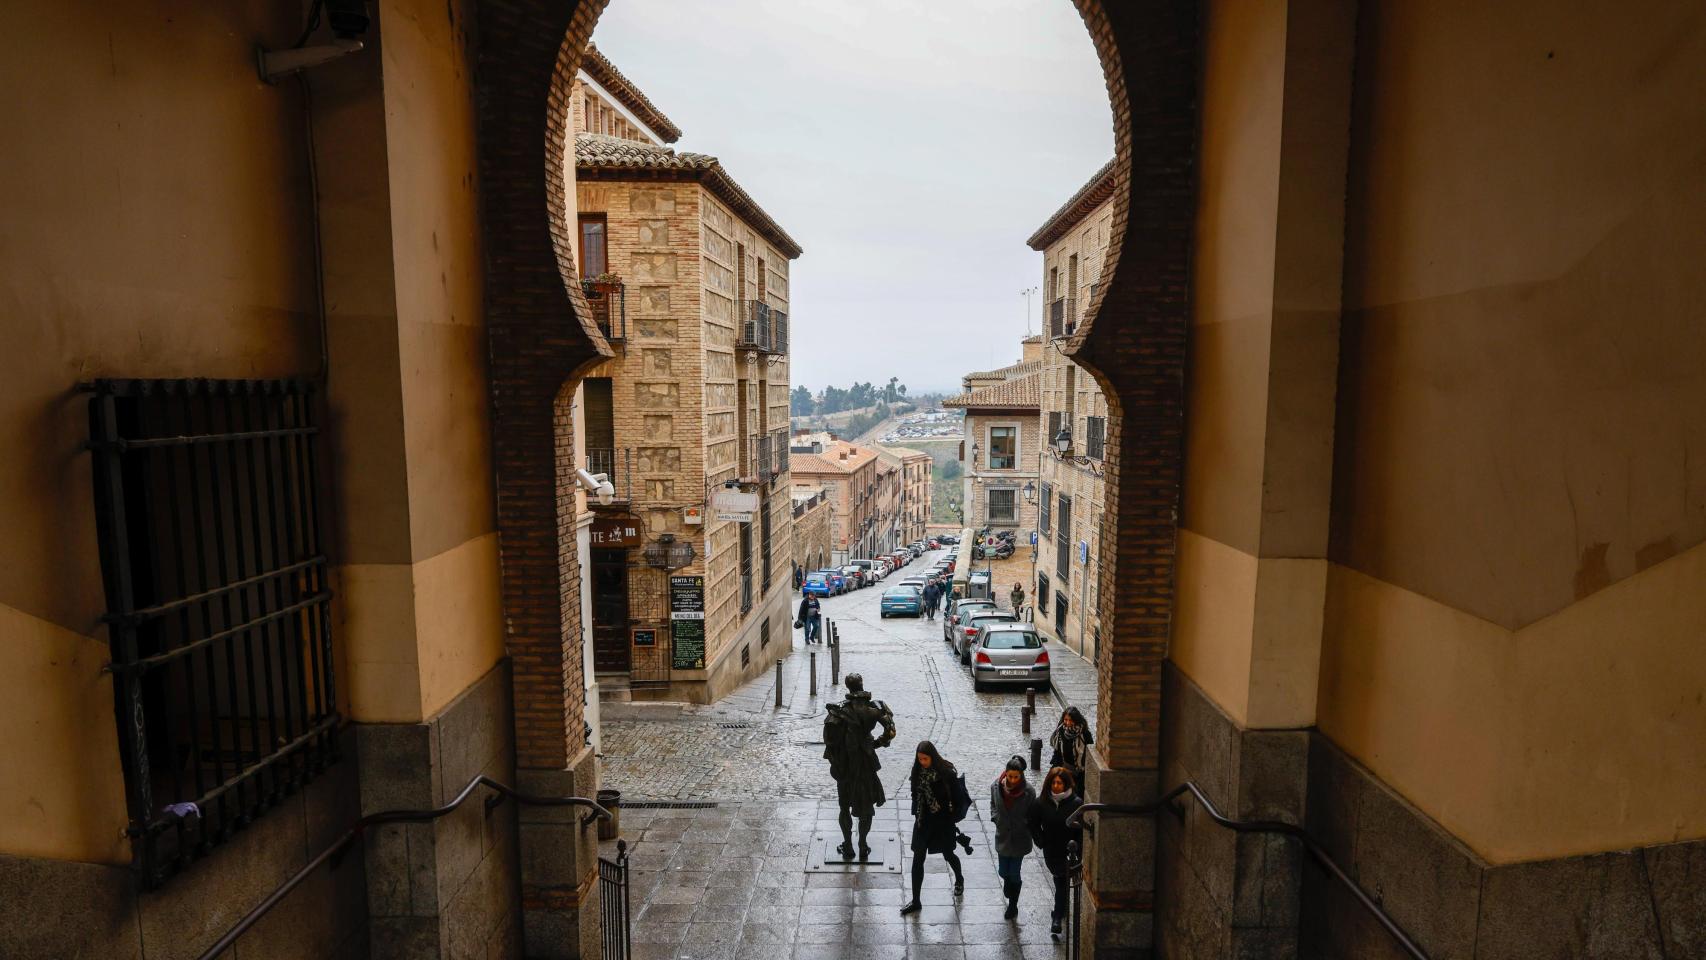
(501, 792)
(218, 604)
(617, 464)
(613, 904)
(1095, 433)
(763, 465)
(609, 305)
(1315, 850)
(762, 327)
(1062, 317)
(779, 451)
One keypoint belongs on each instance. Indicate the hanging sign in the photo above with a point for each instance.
(693, 515)
(615, 532)
(732, 504)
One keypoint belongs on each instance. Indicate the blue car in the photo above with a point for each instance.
(837, 582)
(902, 599)
(817, 585)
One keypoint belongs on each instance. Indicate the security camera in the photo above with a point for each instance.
(275, 65)
(597, 484)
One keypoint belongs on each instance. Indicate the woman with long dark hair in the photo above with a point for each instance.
(935, 820)
(1071, 742)
(1058, 801)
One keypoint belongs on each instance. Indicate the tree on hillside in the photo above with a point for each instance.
(801, 403)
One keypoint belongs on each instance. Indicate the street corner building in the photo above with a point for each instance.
(847, 474)
(688, 421)
(1003, 441)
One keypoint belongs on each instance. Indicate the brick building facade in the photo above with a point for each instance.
(688, 278)
(848, 474)
(1074, 418)
(1003, 440)
(915, 493)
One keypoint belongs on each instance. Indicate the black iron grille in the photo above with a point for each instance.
(219, 606)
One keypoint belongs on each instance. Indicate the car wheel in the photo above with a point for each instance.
(976, 685)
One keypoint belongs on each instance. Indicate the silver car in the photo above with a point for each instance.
(965, 635)
(952, 612)
(1009, 654)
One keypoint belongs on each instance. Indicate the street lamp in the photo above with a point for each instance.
(1031, 491)
(1063, 441)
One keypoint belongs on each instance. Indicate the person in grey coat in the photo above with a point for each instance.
(1010, 801)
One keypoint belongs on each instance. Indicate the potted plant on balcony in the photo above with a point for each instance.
(602, 285)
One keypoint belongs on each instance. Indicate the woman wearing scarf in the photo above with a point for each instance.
(1071, 744)
(1010, 803)
(1059, 801)
(934, 824)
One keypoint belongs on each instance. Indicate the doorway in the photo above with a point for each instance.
(611, 652)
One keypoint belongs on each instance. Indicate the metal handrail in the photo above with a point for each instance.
(503, 792)
(1253, 826)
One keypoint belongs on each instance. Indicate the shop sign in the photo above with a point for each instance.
(615, 532)
(687, 622)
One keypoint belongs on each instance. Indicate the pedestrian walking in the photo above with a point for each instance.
(1070, 744)
(936, 814)
(1017, 597)
(810, 617)
(1059, 801)
(932, 597)
(1010, 801)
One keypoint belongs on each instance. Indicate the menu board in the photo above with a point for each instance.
(687, 622)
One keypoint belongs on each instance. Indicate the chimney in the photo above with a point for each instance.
(1031, 349)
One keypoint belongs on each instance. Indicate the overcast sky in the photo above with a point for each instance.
(910, 146)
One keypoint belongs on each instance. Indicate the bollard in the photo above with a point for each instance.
(1036, 754)
(814, 673)
(834, 662)
(1025, 720)
(778, 682)
(1031, 699)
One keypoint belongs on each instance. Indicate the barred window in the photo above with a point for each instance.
(1045, 507)
(1095, 430)
(1063, 540)
(1003, 506)
(206, 503)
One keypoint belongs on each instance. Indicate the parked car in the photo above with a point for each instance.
(918, 582)
(837, 580)
(1009, 654)
(902, 599)
(864, 568)
(935, 544)
(855, 575)
(817, 585)
(966, 634)
(959, 609)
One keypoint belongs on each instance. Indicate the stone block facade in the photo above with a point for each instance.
(811, 529)
(982, 478)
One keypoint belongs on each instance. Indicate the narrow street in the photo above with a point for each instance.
(721, 804)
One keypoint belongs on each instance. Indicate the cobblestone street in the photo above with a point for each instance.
(727, 876)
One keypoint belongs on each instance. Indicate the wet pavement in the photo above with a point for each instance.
(721, 802)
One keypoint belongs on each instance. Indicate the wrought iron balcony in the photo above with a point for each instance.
(1062, 317)
(762, 327)
(609, 304)
(617, 464)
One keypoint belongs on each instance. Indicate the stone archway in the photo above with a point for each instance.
(1132, 339)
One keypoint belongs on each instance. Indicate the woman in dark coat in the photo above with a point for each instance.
(935, 823)
(1058, 801)
(1071, 742)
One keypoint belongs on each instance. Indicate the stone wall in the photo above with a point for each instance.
(811, 535)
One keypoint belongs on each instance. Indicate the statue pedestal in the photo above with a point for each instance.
(824, 858)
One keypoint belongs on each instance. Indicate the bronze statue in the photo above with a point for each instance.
(852, 755)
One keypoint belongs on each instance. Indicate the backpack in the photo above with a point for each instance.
(962, 798)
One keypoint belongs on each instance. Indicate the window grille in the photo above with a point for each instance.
(1095, 432)
(1063, 540)
(745, 566)
(218, 602)
(1003, 506)
(764, 543)
(1042, 593)
(1045, 507)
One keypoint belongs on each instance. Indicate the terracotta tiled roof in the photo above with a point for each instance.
(830, 461)
(1089, 197)
(1033, 338)
(1008, 372)
(904, 452)
(799, 463)
(1023, 391)
(598, 157)
(605, 74)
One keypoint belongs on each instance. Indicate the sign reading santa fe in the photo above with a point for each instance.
(734, 505)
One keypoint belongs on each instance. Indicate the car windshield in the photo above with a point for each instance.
(981, 619)
(1011, 640)
(816, 578)
(902, 592)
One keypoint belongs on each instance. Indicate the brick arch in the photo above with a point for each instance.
(1132, 339)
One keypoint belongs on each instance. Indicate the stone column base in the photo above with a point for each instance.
(559, 865)
(1119, 867)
